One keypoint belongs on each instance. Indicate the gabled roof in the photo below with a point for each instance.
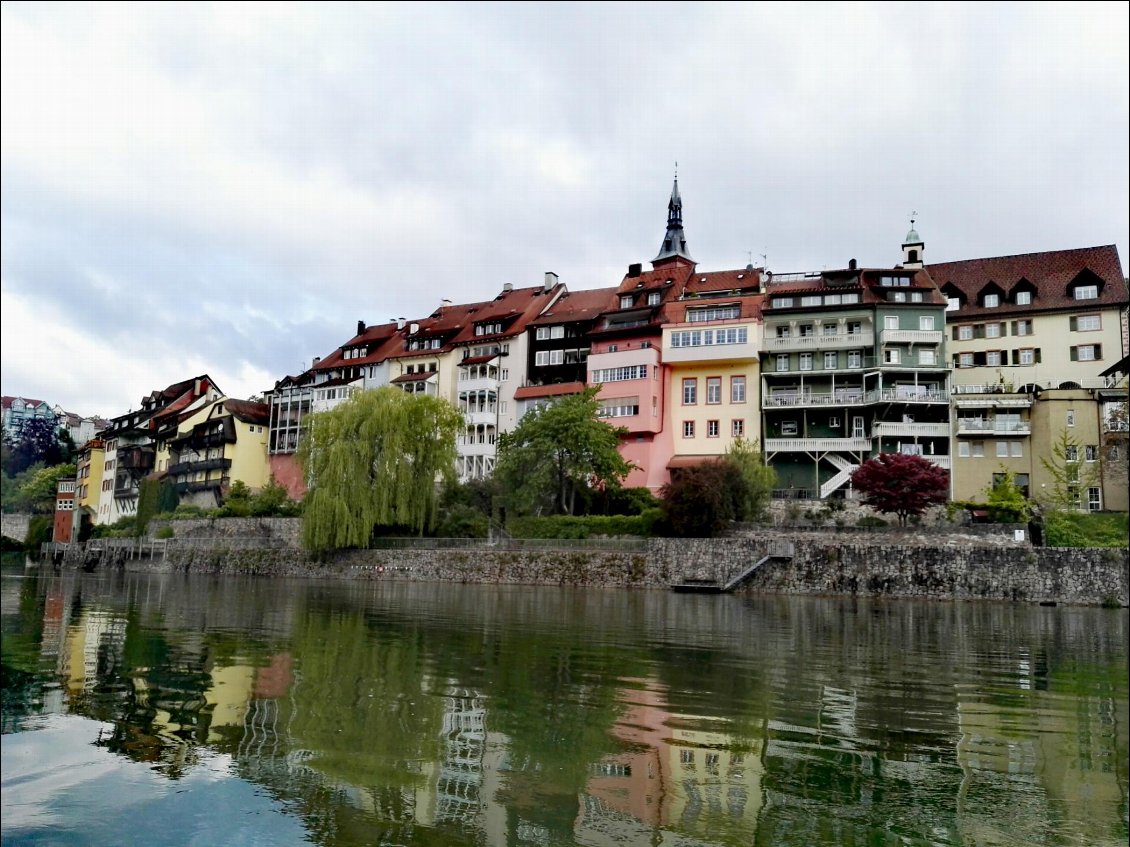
(514, 309)
(7, 401)
(1051, 272)
(669, 276)
(576, 306)
(248, 411)
(866, 281)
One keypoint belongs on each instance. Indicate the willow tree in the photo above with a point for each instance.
(375, 460)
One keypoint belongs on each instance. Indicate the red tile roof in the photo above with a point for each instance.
(7, 401)
(479, 360)
(559, 389)
(1051, 272)
(650, 280)
(574, 306)
(415, 377)
(247, 411)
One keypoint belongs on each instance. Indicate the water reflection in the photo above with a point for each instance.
(395, 713)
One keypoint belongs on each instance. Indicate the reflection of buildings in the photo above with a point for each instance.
(675, 778)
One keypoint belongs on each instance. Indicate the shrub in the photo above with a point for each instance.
(700, 502)
(584, 526)
(870, 520)
(1083, 529)
(39, 531)
(165, 532)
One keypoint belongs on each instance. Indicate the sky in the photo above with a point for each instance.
(227, 189)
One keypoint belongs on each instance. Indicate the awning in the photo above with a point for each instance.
(678, 462)
(527, 392)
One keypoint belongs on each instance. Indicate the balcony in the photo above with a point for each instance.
(912, 336)
(839, 341)
(909, 429)
(481, 417)
(480, 383)
(202, 485)
(988, 426)
(817, 445)
(710, 352)
(475, 448)
(199, 465)
(136, 459)
(940, 461)
(770, 367)
(846, 397)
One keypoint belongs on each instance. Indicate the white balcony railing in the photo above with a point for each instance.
(908, 429)
(839, 341)
(481, 417)
(849, 397)
(481, 383)
(912, 336)
(940, 461)
(804, 445)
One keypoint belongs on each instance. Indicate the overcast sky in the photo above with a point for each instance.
(228, 189)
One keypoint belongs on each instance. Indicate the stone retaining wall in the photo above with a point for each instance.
(14, 526)
(959, 565)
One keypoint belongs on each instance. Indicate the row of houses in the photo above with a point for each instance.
(18, 411)
(980, 366)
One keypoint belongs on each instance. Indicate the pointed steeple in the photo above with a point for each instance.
(674, 242)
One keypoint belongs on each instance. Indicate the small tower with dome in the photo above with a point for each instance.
(913, 247)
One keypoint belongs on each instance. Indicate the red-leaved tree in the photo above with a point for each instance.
(899, 484)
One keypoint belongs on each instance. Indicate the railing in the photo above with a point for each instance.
(908, 429)
(966, 426)
(481, 417)
(1116, 426)
(841, 398)
(912, 336)
(794, 445)
(940, 461)
(199, 465)
(794, 494)
(478, 383)
(838, 341)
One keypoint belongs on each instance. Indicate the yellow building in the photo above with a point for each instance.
(90, 467)
(217, 445)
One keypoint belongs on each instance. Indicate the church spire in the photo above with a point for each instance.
(674, 242)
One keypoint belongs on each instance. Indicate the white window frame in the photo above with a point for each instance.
(965, 332)
(1086, 292)
(991, 301)
(737, 389)
(831, 360)
(690, 391)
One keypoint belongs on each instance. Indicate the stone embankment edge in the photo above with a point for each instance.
(944, 567)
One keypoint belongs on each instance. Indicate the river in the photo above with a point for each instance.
(196, 710)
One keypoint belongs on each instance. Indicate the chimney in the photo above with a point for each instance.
(507, 287)
(400, 323)
(550, 280)
(413, 328)
(852, 265)
(444, 303)
(314, 363)
(360, 327)
(635, 269)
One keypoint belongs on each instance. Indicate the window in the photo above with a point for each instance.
(855, 327)
(707, 337)
(892, 356)
(1021, 327)
(557, 332)
(1027, 356)
(1086, 323)
(890, 322)
(626, 301)
(737, 389)
(953, 304)
(993, 358)
(712, 429)
(811, 300)
(992, 330)
(621, 407)
(653, 298)
(1086, 353)
(542, 333)
(782, 362)
(788, 428)
(1023, 298)
(1094, 499)
(896, 296)
(831, 360)
(621, 374)
(855, 359)
(965, 333)
(1071, 417)
(690, 391)
(991, 301)
(978, 449)
(805, 330)
(713, 389)
(1091, 453)
(782, 302)
(829, 329)
(926, 322)
(556, 357)
(688, 429)
(927, 357)
(1002, 449)
(737, 428)
(1071, 453)
(714, 313)
(963, 449)
(504, 374)
(541, 358)
(806, 361)
(1086, 292)
(783, 332)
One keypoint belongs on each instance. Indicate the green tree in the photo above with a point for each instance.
(1005, 501)
(375, 460)
(901, 484)
(35, 489)
(1070, 474)
(36, 442)
(700, 502)
(758, 480)
(557, 451)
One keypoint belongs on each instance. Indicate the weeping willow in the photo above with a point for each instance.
(375, 460)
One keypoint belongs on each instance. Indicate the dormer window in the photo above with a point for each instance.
(991, 301)
(653, 298)
(1023, 298)
(626, 301)
(1086, 292)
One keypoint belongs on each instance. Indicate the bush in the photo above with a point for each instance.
(165, 532)
(700, 502)
(870, 520)
(39, 531)
(1083, 529)
(462, 521)
(584, 526)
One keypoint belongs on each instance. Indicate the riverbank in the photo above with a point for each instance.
(957, 564)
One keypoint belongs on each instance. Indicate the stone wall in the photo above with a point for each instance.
(14, 526)
(958, 564)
